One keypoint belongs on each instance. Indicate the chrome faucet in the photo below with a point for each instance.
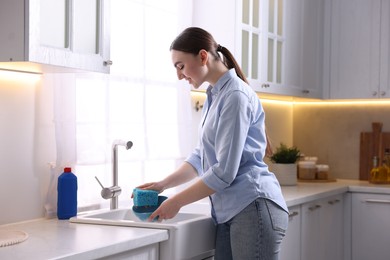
(128, 145)
(114, 191)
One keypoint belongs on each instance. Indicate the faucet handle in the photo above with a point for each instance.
(111, 192)
(101, 185)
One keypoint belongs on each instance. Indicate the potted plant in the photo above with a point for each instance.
(284, 164)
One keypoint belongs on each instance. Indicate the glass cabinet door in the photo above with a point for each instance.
(275, 41)
(71, 34)
(250, 35)
(262, 40)
(56, 35)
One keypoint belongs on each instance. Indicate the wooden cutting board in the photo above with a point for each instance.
(372, 144)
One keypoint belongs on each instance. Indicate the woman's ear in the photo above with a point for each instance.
(203, 54)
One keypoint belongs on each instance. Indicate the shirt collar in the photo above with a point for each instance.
(214, 90)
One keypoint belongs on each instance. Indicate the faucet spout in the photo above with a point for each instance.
(115, 144)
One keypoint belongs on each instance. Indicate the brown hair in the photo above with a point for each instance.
(194, 39)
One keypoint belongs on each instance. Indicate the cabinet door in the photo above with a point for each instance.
(322, 229)
(292, 241)
(310, 244)
(281, 46)
(385, 50)
(354, 48)
(149, 252)
(370, 226)
(332, 228)
(55, 35)
(304, 47)
(11, 30)
(69, 33)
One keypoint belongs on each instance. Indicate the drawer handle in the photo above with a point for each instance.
(331, 202)
(314, 207)
(377, 201)
(293, 214)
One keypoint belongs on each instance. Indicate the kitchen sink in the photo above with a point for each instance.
(191, 235)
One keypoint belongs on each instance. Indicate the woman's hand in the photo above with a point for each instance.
(170, 207)
(156, 186)
(167, 210)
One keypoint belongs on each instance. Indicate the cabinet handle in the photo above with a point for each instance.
(374, 93)
(305, 91)
(293, 214)
(383, 93)
(107, 63)
(377, 201)
(265, 85)
(331, 202)
(314, 207)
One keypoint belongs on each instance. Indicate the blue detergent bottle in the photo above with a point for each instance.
(67, 194)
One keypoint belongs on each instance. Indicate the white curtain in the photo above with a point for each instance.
(140, 101)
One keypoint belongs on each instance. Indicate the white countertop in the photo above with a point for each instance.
(309, 191)
(60, 239)
(55, 239)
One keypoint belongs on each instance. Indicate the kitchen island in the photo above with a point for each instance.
(59, 239)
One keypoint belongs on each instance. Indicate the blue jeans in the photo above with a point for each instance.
(255, 233)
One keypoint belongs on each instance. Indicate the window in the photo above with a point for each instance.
(139, 102)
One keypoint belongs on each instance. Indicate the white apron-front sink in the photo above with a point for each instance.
(191, 235)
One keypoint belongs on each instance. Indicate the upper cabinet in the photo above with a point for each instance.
(281, 45)
(54, 35)
(358, 48)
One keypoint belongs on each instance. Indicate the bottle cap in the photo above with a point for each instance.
(67, 169)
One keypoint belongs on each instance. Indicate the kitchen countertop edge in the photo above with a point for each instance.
(307, 192)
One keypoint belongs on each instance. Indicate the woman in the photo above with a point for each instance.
(247, 203)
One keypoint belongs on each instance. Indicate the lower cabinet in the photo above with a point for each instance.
(315, 231)
(291, 243)
(370, 226)
(322, 229)
(150, 252)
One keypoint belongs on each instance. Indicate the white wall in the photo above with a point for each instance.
(218, 20)
(26, 138)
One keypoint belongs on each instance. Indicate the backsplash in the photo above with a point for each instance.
(331, 131)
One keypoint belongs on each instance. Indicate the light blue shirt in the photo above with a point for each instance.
(229, 157)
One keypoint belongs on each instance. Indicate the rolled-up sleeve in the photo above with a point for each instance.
(195, 160)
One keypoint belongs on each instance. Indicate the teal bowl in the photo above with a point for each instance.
(143, 212)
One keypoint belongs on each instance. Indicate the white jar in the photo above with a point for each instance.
(307, 170)
(322, 171)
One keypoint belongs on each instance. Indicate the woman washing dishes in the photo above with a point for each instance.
(247, 204)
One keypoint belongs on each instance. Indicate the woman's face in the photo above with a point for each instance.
(190, 67)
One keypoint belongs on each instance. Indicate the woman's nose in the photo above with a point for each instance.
(180, 75)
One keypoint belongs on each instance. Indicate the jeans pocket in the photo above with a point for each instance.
(279, 217)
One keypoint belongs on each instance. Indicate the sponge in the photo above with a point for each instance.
(145, 197)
